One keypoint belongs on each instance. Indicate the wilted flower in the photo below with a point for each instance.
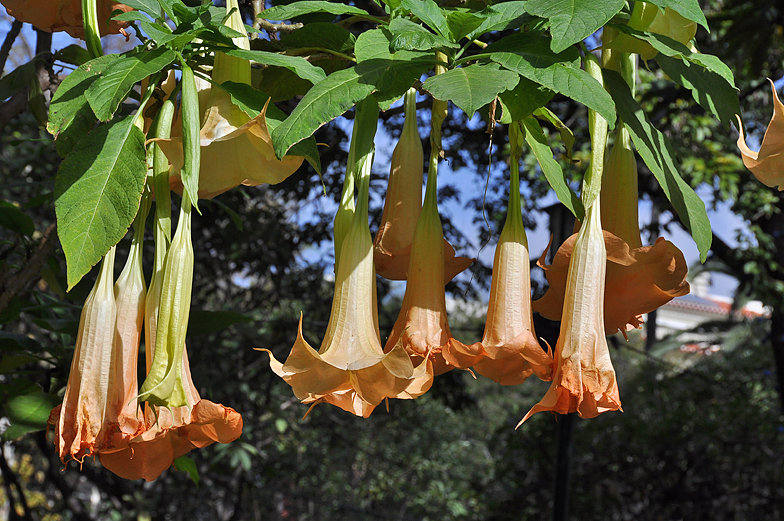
(235, 148)
(64, 15)
(403, 205)
(350, 370)
(512, 352)
(767, 165)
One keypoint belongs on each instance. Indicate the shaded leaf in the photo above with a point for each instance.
(28, 413)
(520, 102)
(500, 17)
(462, 23)
(320, 35)
(97, 193)
(296, 64)
(655, 150)
(571, 21)
(186, 464)
(15, 220)
(687, 8)
(73, 54)
(429, 12)
(408, 36)
(529, 55)
(202, 322)
(472, 87)
(297, 9)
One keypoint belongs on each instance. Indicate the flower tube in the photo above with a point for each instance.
(422, 327)
(512, 351)
(584, 379)
(403, 205)
(350, 370)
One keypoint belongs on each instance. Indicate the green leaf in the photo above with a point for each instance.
(689, 9)
(655, 150)
(708, 88)
(73, 54)
(151, 7)
(462, 23)
(97, 193)
(18, 342)
(429, 12)
(115, 83)
(529, 55)
(15, 220)
(28, 413)
(500, 17)
(251, 101)
(471, 87)
(520, 102)
(399, 70)
(296, 64)
(567, 136)
(320, 35)
(408, 36)
(297, 9)
(202, 322)
(536, 139)
(571, 21)
(70, 116)
(17, 80)
(186, 464)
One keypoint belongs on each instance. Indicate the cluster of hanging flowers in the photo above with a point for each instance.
(602, 280)
(138, 431)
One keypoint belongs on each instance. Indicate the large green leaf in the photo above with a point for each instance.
(536, 139)
(408, 36)
(320, 35)
(399, 70)
(429, 12)
(28, 412)
(523, 100)
(70, 116)
(708, 88)
(529, 55)
(297, 9)
(571, 21)
(97, 193)
(462, 23)
(115, 83)
(471, 87)
(687, 8)
(15, 220)
(296, 64)
(500, 17)
(655, 150)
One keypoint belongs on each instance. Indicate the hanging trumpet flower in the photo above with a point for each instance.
(350, 370)
(584, 379)
(512, 351)
(236, 149)
(639, 279)
(403, 205)
(422, 327)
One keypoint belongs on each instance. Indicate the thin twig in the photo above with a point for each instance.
(274, 29)
(5, 50)
(32, 269)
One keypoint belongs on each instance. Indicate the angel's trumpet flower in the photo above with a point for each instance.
(639, 279)
(403, 205)
(99, 411)
(350, 370)
(235, 148)
(648, 17)
(422, 327)
(767, 165)
(584, 379)
(512, 351)
(65, 15)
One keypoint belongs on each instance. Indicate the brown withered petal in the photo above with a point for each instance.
(638, 281)
(767, 165)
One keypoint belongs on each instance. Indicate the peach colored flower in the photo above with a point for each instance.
(512, 352)
(64, 15)
(767, 165)
(350, 370)
(403, 205)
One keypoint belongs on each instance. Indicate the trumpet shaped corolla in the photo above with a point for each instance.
(767, 165)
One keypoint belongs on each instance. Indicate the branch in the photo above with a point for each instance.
(32, 269)
(277, 28)
(16, 27)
